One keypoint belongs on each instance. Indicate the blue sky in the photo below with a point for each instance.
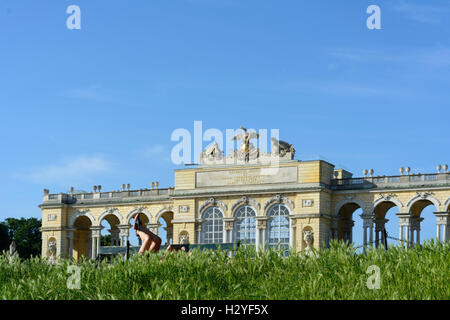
(98, 105)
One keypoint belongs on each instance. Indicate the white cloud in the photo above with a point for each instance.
(73, 171)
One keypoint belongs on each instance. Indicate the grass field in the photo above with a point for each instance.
(337, 273)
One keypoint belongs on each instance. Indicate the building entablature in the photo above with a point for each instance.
(390, 182)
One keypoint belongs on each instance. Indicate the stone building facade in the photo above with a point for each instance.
(260, 199)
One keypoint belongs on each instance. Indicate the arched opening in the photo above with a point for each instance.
(110, 231)
(345, 222)
(385, 214)
(422, 222)
(245, 225)
(278, 226)
(81, 237)
(212, 226)
(145, 220)
(165, 227)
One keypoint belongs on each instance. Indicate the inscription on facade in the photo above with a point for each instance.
(308, 203)
(245, 177)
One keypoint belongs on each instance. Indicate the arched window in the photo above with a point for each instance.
(278, 226)
(245, 224)
(212, 227)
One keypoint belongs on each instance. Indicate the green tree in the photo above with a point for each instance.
(105, 240)
(4, 237)
(27, 235)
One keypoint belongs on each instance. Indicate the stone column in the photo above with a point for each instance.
(153, 227)
(198, 230)
(443, 221)
(334, 228)
(263, 227)
(347, 229)
(380, 224)
(229, 226)
(258, 232)
(367, 227)
(124, 233)
(405, 220)
(95, 234)
(415, 227)
(260, 228)
(115, 238)
(70, 243)
(169, 234)
(292, 230)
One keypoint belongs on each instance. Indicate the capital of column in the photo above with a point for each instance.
(96, 231)
(404, 219)
(380, 223)
(442, 218)
(124, 230)
(367, 220)
(334, 223)
(415, 223)
(261, 222)
(348, 224)
(229, 223)
(198, 224)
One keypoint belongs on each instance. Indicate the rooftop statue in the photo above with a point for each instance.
(245, 142)
(246, 152)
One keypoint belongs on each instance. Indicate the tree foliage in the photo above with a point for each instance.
(5, 239)
(25, 232)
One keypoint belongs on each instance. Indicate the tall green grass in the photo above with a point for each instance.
(422, 272)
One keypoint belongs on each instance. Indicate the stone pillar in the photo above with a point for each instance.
(334, 228)
(198, 230)
(367, 227)
(415, 227)
(292, 231)
(229, 226)
(153, 227)
(115, 238)
(169, 230)
(124, 233)
(95, 240)
(442, 221)
(261, 223)
(380, 224)
(405, 221)
(347, 229)
(263, 227)
(70, 242)
(257, 240)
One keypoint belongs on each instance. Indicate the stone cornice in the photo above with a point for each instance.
(311, 215)
(183, 220)
(396, 189)
(211, 192)
(392, 188)
(58, 228)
